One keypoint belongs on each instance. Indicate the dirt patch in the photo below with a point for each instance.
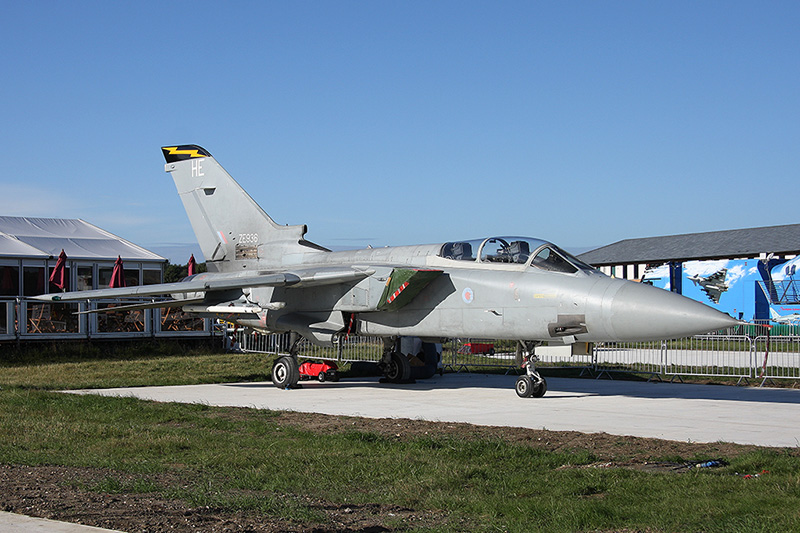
(76, 494)
(69, 494)
(605, 447)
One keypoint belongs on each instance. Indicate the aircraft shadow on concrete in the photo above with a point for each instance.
(561, 388)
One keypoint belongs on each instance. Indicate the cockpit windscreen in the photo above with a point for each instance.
(515, 250)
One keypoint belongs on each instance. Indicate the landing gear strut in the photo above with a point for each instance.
(285, 371)
(394, 365)
(530, 384)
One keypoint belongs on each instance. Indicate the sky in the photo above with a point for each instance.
(390, 123)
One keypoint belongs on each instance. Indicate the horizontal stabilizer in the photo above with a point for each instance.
(403, 285)
(319, 328)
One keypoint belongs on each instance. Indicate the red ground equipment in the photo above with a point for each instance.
(477, 348)
(323, 371)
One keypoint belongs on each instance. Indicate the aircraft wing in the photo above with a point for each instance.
(213, 282)
(329, 276)
(713, 293)
(718, 276)
(202, 283)
(155, 304)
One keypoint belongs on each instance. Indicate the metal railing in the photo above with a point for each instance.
(462, 354)
(776, 357)
(347, 349)
(640, 357)
(24, 319)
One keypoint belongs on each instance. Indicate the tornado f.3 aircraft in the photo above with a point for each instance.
(268, 277)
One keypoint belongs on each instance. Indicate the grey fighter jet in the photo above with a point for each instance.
(792, 318)
(713, 285)
(268, 277)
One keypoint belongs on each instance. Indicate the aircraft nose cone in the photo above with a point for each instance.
(643, 312)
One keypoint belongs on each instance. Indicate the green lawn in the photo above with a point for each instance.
(243, 459)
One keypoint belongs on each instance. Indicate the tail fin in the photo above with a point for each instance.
(228, 223)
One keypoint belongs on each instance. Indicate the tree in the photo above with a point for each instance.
(173, 273)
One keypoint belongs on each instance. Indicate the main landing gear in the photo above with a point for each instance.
(395, 366)
(531, 383)
(286, 370)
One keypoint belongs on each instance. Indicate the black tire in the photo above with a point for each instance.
(524, 386)
(285, 373)
(539, 388)
(398, 369)
(321, 377)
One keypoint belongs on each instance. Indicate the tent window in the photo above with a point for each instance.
(152, 277)
(85, 278)
(9, 281)
(32, 281)
(104, 277)
(131, 277)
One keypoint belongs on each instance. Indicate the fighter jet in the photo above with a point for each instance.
(713, 285)
(792, 318)
(269, 278)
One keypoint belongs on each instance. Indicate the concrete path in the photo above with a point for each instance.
(17, 523)
(681, 412)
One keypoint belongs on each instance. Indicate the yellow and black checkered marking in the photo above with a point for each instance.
(181, 153)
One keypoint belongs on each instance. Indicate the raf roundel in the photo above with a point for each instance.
(467, 295)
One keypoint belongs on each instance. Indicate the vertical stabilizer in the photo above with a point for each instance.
(229, 224)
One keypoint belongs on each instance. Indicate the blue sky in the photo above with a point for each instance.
(383, 123)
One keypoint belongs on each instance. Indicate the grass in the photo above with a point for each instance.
(105, 365)
(241, 459)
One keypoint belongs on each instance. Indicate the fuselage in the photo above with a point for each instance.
(490, 294)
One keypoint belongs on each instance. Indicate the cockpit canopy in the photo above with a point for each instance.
(515, 250)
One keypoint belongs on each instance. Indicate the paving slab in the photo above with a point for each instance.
(673, 411)
(17, 523)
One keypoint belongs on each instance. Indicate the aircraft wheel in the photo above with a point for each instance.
(398, 369)
(524, 386)
(539, 388)
(285, 373)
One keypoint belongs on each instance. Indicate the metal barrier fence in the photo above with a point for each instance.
(710, 355)
(744, 357)
(777, 357)
(349, 349)
(762, 357)
(462, 354)
(640, 357)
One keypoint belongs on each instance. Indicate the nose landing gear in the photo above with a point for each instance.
(531, 383)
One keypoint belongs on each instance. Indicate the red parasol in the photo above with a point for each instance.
(118, 275)
(59, 275)
(192, 266)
